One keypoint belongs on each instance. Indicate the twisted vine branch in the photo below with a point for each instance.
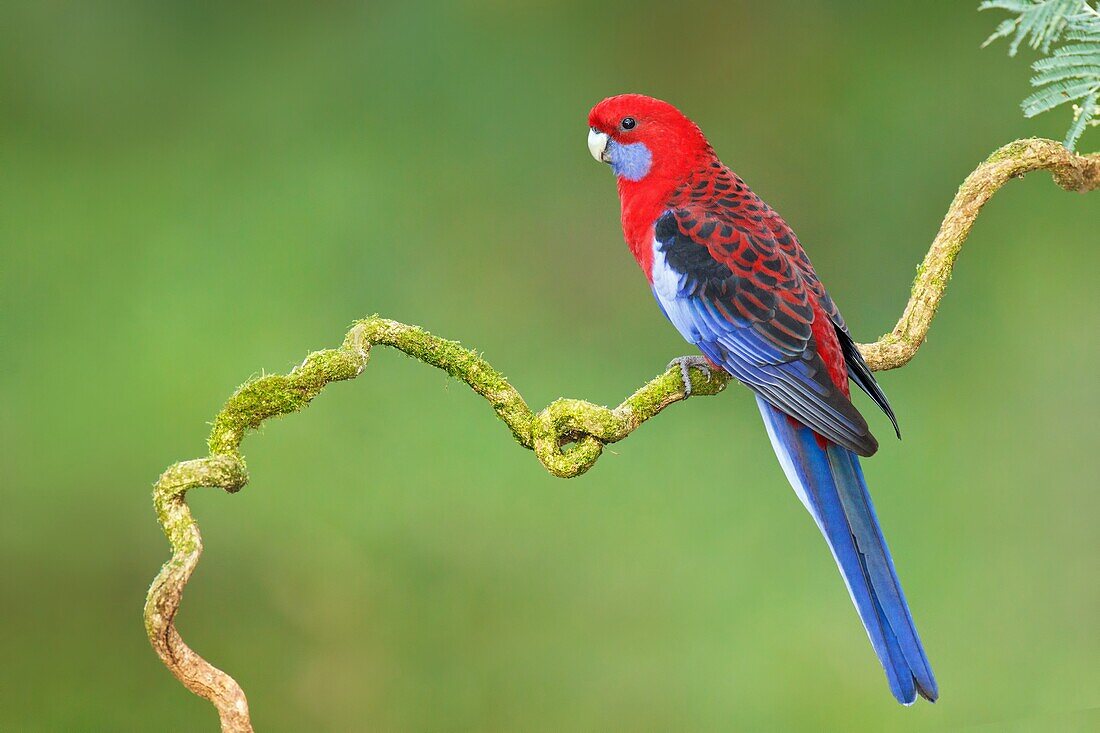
(567, 437)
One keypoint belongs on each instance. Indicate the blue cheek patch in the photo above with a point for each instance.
(632, 161)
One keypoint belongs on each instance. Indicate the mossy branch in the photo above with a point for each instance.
(567, 437)
(1080, 173)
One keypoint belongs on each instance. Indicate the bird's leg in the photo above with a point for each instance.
(702, 363)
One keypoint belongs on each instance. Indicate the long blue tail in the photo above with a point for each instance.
(830, 484)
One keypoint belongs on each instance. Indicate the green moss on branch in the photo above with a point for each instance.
(567, 437)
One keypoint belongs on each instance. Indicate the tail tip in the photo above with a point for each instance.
(926, 689)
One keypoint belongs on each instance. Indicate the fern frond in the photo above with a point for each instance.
(1073, 49)
(1039, 22)
(1089, 109)
(1056, 94)
(1069, 73)
(1059, 68)
(1004, 30)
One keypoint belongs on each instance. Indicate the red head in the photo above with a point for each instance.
(675, 145)
(652, 148)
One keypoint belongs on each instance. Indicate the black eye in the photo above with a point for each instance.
(628, 123)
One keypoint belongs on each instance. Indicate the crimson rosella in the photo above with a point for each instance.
(733, 279)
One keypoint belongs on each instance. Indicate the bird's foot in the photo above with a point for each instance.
(685, 363)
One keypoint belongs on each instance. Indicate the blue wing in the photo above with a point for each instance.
(734, 314)
(761, 334)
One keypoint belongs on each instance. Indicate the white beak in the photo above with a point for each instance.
(597, 145)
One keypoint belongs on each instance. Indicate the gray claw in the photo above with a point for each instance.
(685, 363)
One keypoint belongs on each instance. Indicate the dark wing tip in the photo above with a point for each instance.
(867, 447)
(861, 374)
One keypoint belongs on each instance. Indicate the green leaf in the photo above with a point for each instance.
(1068, 73)
(1014, 6)
(1039, 22)
(1075, 49)
(1057, 94)
(1057, 75)
(1004, 30)
(1058, 68)
(1084, 116)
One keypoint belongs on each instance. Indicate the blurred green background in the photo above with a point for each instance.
(194, 192)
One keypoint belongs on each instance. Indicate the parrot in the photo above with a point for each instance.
(733, 279)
